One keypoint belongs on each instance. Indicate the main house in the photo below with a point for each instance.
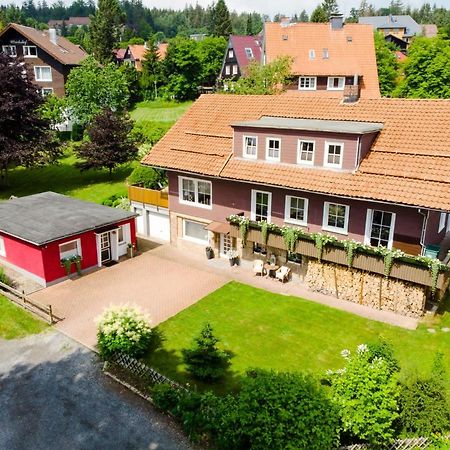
(38, 232)
(49, 57)
(329, 59)
(356, 171)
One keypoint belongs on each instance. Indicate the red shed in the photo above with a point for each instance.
(38, 231)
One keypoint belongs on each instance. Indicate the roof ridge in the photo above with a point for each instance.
(199, 133)
(178, 149)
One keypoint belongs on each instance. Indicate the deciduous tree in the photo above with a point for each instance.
(387, 65)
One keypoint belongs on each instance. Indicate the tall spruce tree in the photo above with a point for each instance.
(330, 7)
(105, 29)
(222, 20)
(319, 15)
(249, 30)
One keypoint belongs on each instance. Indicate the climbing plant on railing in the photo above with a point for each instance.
(289, 237)
(264, 232)
(243, 228)
(320, 241)
(351, 247)
(435, 267)
(389, 256)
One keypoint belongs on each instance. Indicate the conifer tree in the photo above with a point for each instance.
(319, 15)
(249, 25)
(330, 7)
(222, 20)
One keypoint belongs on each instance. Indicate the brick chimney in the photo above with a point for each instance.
(53, 36)
(352, 91)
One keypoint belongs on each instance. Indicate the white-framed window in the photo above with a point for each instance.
(312, 54)
(336, 83)
(296, 210)
(273, 149)
(29, 51)
(9, 50)
(250, 147)
(195, 231)
(231, 53)
(195, 192)
(235, 69)
(227, 69)
(334, 152)
(335, 217)
(124, 234)
(2, 247)
(305, 152)
(261, 208)
(325, 53)
(307, 83)
(43, 73)
(69, 249)
(46, 91)
(249, 52)
(379, 228)
(442, 219)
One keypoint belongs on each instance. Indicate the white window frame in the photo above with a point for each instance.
(2, 247)
(244, 147)
(442, 220)
(193, 239)
(6, 48)
(253, 204)
(368, 230)
(77, 241)
(327, 148)
(36, 70)
(249, 52)
(26, 51)
(330, 84)
(312, 54)
(194, 203)
(326, 227)
(273, 158)
(50, 89)
(235, 69)
(299, 152)
(325, 53)
(230, 53)
(287, 210)
(311, 87)
(227, 69)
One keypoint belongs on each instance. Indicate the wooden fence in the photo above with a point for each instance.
(21, 299)
(142, 371)
(418, 443)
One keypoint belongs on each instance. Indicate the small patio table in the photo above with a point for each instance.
(270, 270)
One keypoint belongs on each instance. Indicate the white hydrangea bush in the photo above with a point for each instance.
(125, 329)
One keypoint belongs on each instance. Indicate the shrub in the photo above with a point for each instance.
(366, 392)
(204, 360)
(383, 349)
(123, 329)
(276, 411)
(147, 177)
(4, 278)
(149, 131)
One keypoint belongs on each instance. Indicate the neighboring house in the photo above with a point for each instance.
(38, 231)
(241, 50)
(401, 27)
(48, 56)
(135, 54)
(356, 171)
(119, 54)
(329, 59)
(430, 30)
(70, 22)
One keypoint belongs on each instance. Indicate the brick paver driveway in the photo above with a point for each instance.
(159, 286)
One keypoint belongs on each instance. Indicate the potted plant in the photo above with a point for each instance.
(233, 256)
(67, 264)
(131, 249)
(77, 260)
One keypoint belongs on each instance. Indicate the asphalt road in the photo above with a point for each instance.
(53, 395)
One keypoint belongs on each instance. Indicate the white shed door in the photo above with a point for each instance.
(159, 226)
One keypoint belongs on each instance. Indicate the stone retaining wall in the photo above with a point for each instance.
(366, 288)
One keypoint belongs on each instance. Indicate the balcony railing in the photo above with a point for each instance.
(148, 196)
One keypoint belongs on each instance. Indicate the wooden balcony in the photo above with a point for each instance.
(149, 196)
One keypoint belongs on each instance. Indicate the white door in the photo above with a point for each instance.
(159, 225)
(225, 244)
(105, 247)
(140, 220)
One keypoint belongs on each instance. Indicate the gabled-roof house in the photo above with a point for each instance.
(77, 21)
(48, 56)
(38, 232)
(135, 54)
(329, 59)
(240, 51)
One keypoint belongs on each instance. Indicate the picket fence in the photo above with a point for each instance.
(419, 443)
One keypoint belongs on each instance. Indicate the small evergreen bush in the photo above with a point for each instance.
(205, 360)
(147, 177)
(123, 329)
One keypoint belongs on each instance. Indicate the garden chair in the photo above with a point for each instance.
(282, 274)
(258, 267)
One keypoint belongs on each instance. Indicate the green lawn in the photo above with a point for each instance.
(16, 323)
(159, 111)
(271, 331)
(92, 185)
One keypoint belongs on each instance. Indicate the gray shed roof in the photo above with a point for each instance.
(378, 22)
(48, 217)
(333, 126)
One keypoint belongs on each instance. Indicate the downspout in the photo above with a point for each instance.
(358, 153)
(424, 228)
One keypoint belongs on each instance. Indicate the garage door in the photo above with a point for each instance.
(140, 220)
(158, 225)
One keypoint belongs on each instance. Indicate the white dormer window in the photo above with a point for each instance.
(325, 54)
(29, 51)
(307, 83)
(336, 83)
(273, 149)
(312, 54)
(249, 53)
(305, 154)
(231, 53)
(250, 147)
(10, 50)
(334, 152)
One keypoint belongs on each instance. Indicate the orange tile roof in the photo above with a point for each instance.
(409, 162)
(63, 51)
(162, 50)
(345, 56)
